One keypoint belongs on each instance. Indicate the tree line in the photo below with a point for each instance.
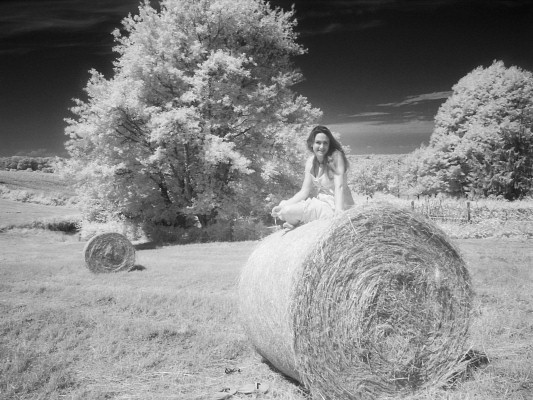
(25, 163)
(482, 144)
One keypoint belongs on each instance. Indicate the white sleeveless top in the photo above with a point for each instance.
(325, 184)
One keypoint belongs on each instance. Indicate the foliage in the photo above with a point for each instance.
(482, 144)
(371, 174)
(67, 224)
(26, 163)
(198, 120)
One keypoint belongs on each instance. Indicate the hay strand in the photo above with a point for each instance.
(109, 252)
(372, 303)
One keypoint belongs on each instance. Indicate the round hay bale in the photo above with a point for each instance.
(375, 302)
(109, 252)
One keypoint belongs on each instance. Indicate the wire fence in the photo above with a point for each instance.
(471, 211)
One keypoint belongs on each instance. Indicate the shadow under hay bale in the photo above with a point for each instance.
(137, 267)
(109, 252)
(146, 246)
(374, 302)
(473, 360)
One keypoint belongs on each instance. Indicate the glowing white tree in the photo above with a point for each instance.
(198, 118)
(483, 138)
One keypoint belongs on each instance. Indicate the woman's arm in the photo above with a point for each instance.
(339, 168)
(303, 193)
(307, 184)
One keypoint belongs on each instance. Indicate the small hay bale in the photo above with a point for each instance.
(375, 302)
(109, 252)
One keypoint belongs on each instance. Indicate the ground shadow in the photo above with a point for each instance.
(145, 246)
(474, 360)
(288, 378)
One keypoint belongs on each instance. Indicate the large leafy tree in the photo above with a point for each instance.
(482, 143)
(198, 119)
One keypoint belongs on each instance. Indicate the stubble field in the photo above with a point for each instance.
(170, 329)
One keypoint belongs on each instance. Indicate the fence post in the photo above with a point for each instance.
(468, 211)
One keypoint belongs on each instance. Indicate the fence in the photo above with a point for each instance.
(435, 210)
(472, 211)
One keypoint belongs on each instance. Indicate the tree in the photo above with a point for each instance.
(198, 119)
(24, 164)
(482, 144)
(371, 174)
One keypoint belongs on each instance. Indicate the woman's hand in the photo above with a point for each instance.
(276, 210)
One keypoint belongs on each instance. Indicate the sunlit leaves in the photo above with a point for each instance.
(199, 117)
(482, 144)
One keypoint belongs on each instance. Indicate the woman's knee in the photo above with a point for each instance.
(292, 214)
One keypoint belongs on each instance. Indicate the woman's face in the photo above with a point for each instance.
(321, 146)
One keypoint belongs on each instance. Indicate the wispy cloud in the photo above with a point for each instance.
(317, 17)
(370, 114)
(411, 114)
(417, 99)
(365, 137)
(24, 22)
(19, 17)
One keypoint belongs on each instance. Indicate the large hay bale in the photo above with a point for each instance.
(375, 302)
(109, 252)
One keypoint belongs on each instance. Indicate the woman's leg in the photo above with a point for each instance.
(292, 213)
(321, 207)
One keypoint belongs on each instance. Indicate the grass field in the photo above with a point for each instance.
(170, 329)
(35, 181)
(16, 213)
(36, 187)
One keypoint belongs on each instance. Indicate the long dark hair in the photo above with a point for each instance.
(334, 144)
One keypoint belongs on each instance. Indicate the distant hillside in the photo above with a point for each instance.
(27, 163)
(36, 187)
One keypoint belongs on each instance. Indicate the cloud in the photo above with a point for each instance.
(42, 15)
(409, 114)
(393, 128)
(370, 114)
(318, 17)
(365, 137)
(417, 99)
(41, 152)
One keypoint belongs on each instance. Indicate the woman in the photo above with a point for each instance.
(325, 190)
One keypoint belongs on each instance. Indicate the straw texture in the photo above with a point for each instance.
(373, 303)
(109, 252)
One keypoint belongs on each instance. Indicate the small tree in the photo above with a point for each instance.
(371, 174)
(24, 164)
(482, 143)
(199, 118)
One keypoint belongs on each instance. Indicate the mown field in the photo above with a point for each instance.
(36, 187)
(170, 329)
(45, 183)
(16, 214)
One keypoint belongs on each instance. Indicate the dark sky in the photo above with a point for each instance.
(378, 69)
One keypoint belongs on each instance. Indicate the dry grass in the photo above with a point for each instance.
(36, 187)
(46, 183)
(169, 329)
(15, 214)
